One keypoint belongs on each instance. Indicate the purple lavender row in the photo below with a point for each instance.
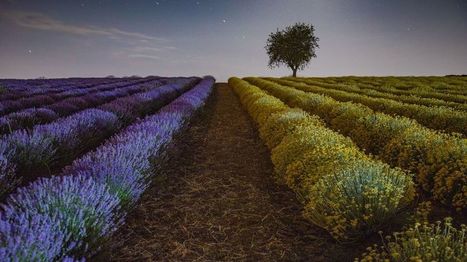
(72, 92)
(20, 88)
(132, 107)
(29, 117)
(26, 100)
(33, 153)
(69, 217)
(8, 106)
(40, 86)
(23, 84)
(83, 83)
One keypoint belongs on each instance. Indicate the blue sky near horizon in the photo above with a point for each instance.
(61, 38)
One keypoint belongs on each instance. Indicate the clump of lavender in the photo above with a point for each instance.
(26, 119)
(57, 216)
(131, 107)
(61, 140)
(8, 181)
(10, 106)
(79, 131)
(30, 149)
(35, 238)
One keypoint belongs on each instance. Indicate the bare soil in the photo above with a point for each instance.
(216, 200)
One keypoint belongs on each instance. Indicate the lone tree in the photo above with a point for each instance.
(294, 46)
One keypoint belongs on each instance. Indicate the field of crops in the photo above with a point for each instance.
(358, 152)
(76, 154)
(359, 155)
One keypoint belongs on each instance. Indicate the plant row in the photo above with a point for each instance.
(27, 100)
(378, 94)
(343, 190)
(424, 85)
(439, 160)
(69, 217)
(38, 152)
(20, 88)
(401, 86)
(51, 86)
(29, 117)
(439, 118)
(14, 95)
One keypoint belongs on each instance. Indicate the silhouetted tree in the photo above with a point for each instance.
(294, 46)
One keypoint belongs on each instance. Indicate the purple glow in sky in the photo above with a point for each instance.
(64, 38)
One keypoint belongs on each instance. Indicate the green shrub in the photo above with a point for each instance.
(359, 199)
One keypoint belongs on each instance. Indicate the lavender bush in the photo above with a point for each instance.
(131, 107)
(70, 216)
(73, 133)
(26, 118)
(7, 170)
(57, 216)
(61, 140)
(29, 150)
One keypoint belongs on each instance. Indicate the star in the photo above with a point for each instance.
(224, 21)
(30, 51)
(157, 3)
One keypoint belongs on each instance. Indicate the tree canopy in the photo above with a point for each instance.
(294, 47)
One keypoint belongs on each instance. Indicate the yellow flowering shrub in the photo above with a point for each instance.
(358, 199)
(423, 242)
(374, 131)
(259, 105)
(305, 153)
(293, 146)
(439, 160)
(422, 212)
(279, 125)
(319, 161)
(436, 117)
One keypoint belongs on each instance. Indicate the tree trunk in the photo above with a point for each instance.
(294, 70)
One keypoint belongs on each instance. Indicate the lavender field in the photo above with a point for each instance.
(76, 154)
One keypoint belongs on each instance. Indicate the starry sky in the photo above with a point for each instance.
(62, 38)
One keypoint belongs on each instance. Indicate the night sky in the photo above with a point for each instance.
(64, 38)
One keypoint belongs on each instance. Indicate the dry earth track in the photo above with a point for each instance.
(217, 201)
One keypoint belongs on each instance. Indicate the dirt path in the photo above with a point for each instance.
(218, 201)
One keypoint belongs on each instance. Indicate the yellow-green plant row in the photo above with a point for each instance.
(378, 94)
(419, 85)
(343, 190)
(405, 86)
(449, 88)
(440, 118)
(439, 160)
